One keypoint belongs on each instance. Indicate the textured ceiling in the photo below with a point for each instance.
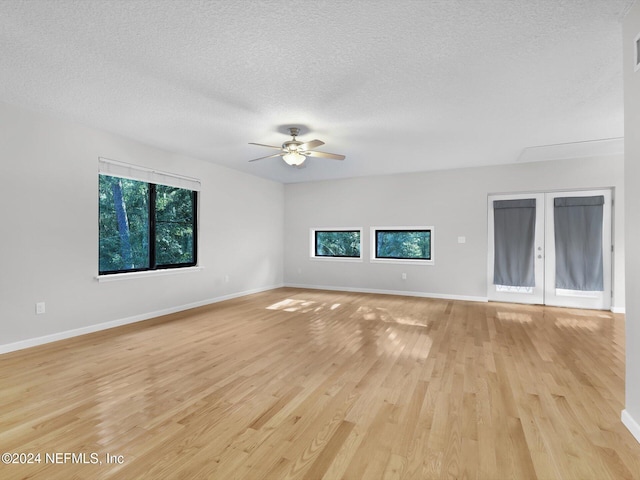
(396, 86)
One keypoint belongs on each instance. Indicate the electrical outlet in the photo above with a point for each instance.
(226, 279)
(40, 308)
(404, 276)
(462, 239)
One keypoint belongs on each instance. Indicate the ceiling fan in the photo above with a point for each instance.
(294, 152)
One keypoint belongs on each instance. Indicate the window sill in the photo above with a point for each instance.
(149, 273)
(337, 259)
(402, 261)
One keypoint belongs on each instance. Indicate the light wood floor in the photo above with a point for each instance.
(309, 384)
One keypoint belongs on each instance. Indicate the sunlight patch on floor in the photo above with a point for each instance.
(382, 314)
(583, 323)
(514, 317)
(292, 305)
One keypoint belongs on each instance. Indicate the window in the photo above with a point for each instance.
(402, 245)
(123, 225)
(175, 226)
(144, 225)
(336, 243)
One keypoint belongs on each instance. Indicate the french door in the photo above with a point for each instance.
(551, 248)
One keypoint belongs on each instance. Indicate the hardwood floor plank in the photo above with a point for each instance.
(328, 454)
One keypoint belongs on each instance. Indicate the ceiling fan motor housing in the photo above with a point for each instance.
(291, 145)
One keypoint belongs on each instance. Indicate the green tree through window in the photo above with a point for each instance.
(337, 243)
(174, 226)
(403, 244)
(144, 226)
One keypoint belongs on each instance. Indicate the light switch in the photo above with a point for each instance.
(462, 239)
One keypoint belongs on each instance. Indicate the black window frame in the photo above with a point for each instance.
(402, 230)
(336, 230)
(153, 265)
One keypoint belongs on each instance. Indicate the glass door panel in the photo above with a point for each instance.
(516, 243)
(578, 239)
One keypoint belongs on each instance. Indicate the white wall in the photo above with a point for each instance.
(49, 236)
(454, 202)
(631, 28)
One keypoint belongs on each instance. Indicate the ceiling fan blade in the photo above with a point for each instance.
(268, 156)
(310, 145)
(332, 156)
(263, 145)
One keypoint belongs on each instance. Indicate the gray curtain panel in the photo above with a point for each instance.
(514, 223)
(578, 236)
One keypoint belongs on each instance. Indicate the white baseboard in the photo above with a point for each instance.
(443, 296)
(618, 310)
(631, 424)
(54, 337)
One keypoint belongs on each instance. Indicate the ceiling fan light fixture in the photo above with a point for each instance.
(294, 158)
